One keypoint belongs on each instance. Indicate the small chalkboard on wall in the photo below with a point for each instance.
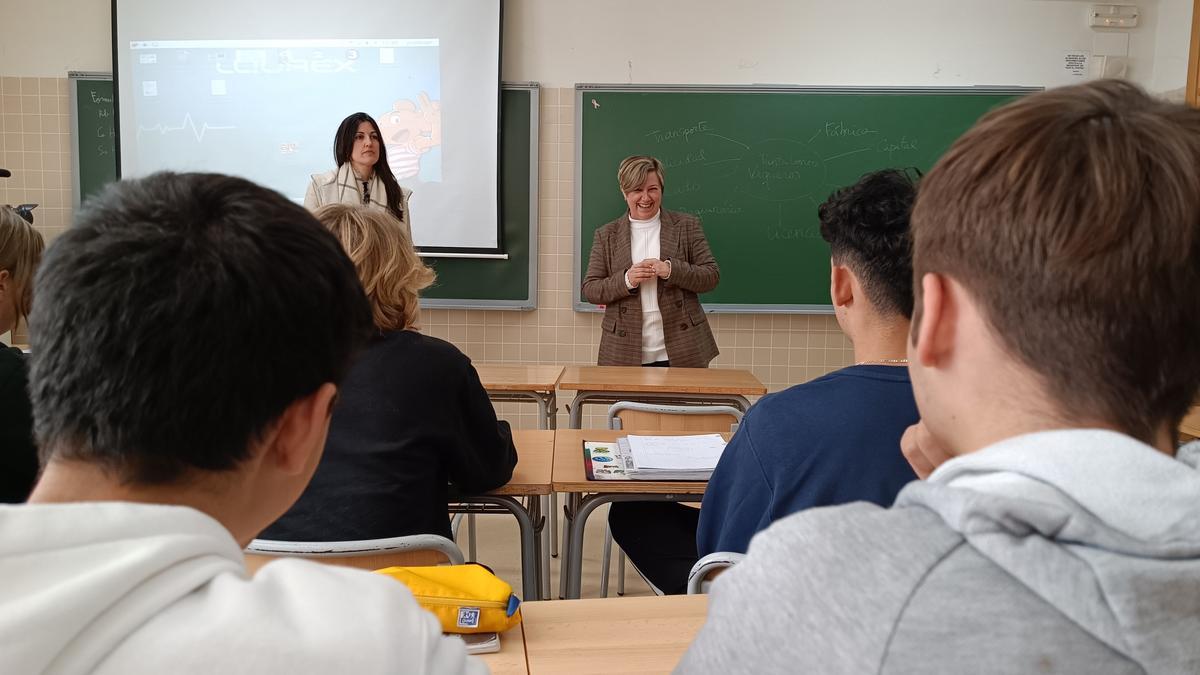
(94, 130)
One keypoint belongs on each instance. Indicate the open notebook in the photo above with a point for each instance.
(690, 458)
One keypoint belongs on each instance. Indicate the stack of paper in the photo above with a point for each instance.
(672, 457)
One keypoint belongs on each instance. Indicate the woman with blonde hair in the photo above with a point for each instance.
(20, 250)
(412, 416)
(648, 268)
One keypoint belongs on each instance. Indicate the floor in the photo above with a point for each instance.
(498, 547)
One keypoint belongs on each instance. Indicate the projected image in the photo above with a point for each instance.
(268, 109)
(410, 130)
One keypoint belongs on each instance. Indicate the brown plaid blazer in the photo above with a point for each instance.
(690, 342)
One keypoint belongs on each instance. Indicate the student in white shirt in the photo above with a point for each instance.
(188, 335)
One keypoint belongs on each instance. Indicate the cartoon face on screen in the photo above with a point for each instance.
(409, 131)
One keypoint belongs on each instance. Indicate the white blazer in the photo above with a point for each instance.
(340, 186)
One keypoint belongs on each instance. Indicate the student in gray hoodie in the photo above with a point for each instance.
(1057, 282)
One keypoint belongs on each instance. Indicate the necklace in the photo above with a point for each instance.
(883, 362)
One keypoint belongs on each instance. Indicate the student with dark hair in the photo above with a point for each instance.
(1053, 354)
(188, 334)
(363, 175)
(829, 441)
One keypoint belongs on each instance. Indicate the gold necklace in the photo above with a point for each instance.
(883, 362)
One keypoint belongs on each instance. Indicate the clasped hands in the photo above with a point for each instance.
(646, 270)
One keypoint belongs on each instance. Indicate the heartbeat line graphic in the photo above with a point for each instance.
(183, 126)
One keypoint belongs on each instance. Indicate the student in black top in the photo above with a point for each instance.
(412, 418)
(20, 250)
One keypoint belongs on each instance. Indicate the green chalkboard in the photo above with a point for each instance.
(754, 164)
(94, 153)
(509, 282)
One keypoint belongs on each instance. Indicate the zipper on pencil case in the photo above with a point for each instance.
(461, 602)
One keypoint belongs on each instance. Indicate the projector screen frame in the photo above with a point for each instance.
(497, 252)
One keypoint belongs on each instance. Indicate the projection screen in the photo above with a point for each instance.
(257, 89)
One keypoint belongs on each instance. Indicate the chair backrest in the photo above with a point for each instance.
(416, 550)
(662, 417)
(707, 568)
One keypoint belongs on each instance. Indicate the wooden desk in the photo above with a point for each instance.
(531, 478)
(538, 383)
(611, 635)
(584, 495)
(1191, 423)
(608, 384)
(535, 462)
(510, 660)
(523, 382)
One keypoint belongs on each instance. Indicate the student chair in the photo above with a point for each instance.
(643, 417)
(707, 568)
(371, 554)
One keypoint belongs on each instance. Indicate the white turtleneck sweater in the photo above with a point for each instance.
(644, 243)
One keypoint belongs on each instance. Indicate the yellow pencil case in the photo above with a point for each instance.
(465, 598)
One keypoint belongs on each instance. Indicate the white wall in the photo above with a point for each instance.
(47, 38)
(1172, 41)
(852, 42)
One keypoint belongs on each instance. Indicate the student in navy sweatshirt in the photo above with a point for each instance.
(830, 441)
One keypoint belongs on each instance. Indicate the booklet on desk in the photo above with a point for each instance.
(481, 643)
(682, 458)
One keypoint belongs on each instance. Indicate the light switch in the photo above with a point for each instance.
(1114, 16)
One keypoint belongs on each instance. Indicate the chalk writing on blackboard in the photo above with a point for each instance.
(685, 132)
(698, 157)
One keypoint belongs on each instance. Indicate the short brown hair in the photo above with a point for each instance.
(21, 248)
(1073, 218)
(391, 272)
(633, 171)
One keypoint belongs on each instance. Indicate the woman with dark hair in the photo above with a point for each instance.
(363, 175)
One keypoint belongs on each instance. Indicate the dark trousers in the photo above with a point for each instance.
(659, 538)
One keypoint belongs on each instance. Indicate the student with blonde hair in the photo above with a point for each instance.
(20, 250)
(412, 416)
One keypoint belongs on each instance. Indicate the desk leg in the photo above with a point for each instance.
(545, 539)
(575, 418)
(565, 562)
(574, 551)
(547, 420)
(541, 572)
(530, 576)
(579, 518)
(554, 524)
